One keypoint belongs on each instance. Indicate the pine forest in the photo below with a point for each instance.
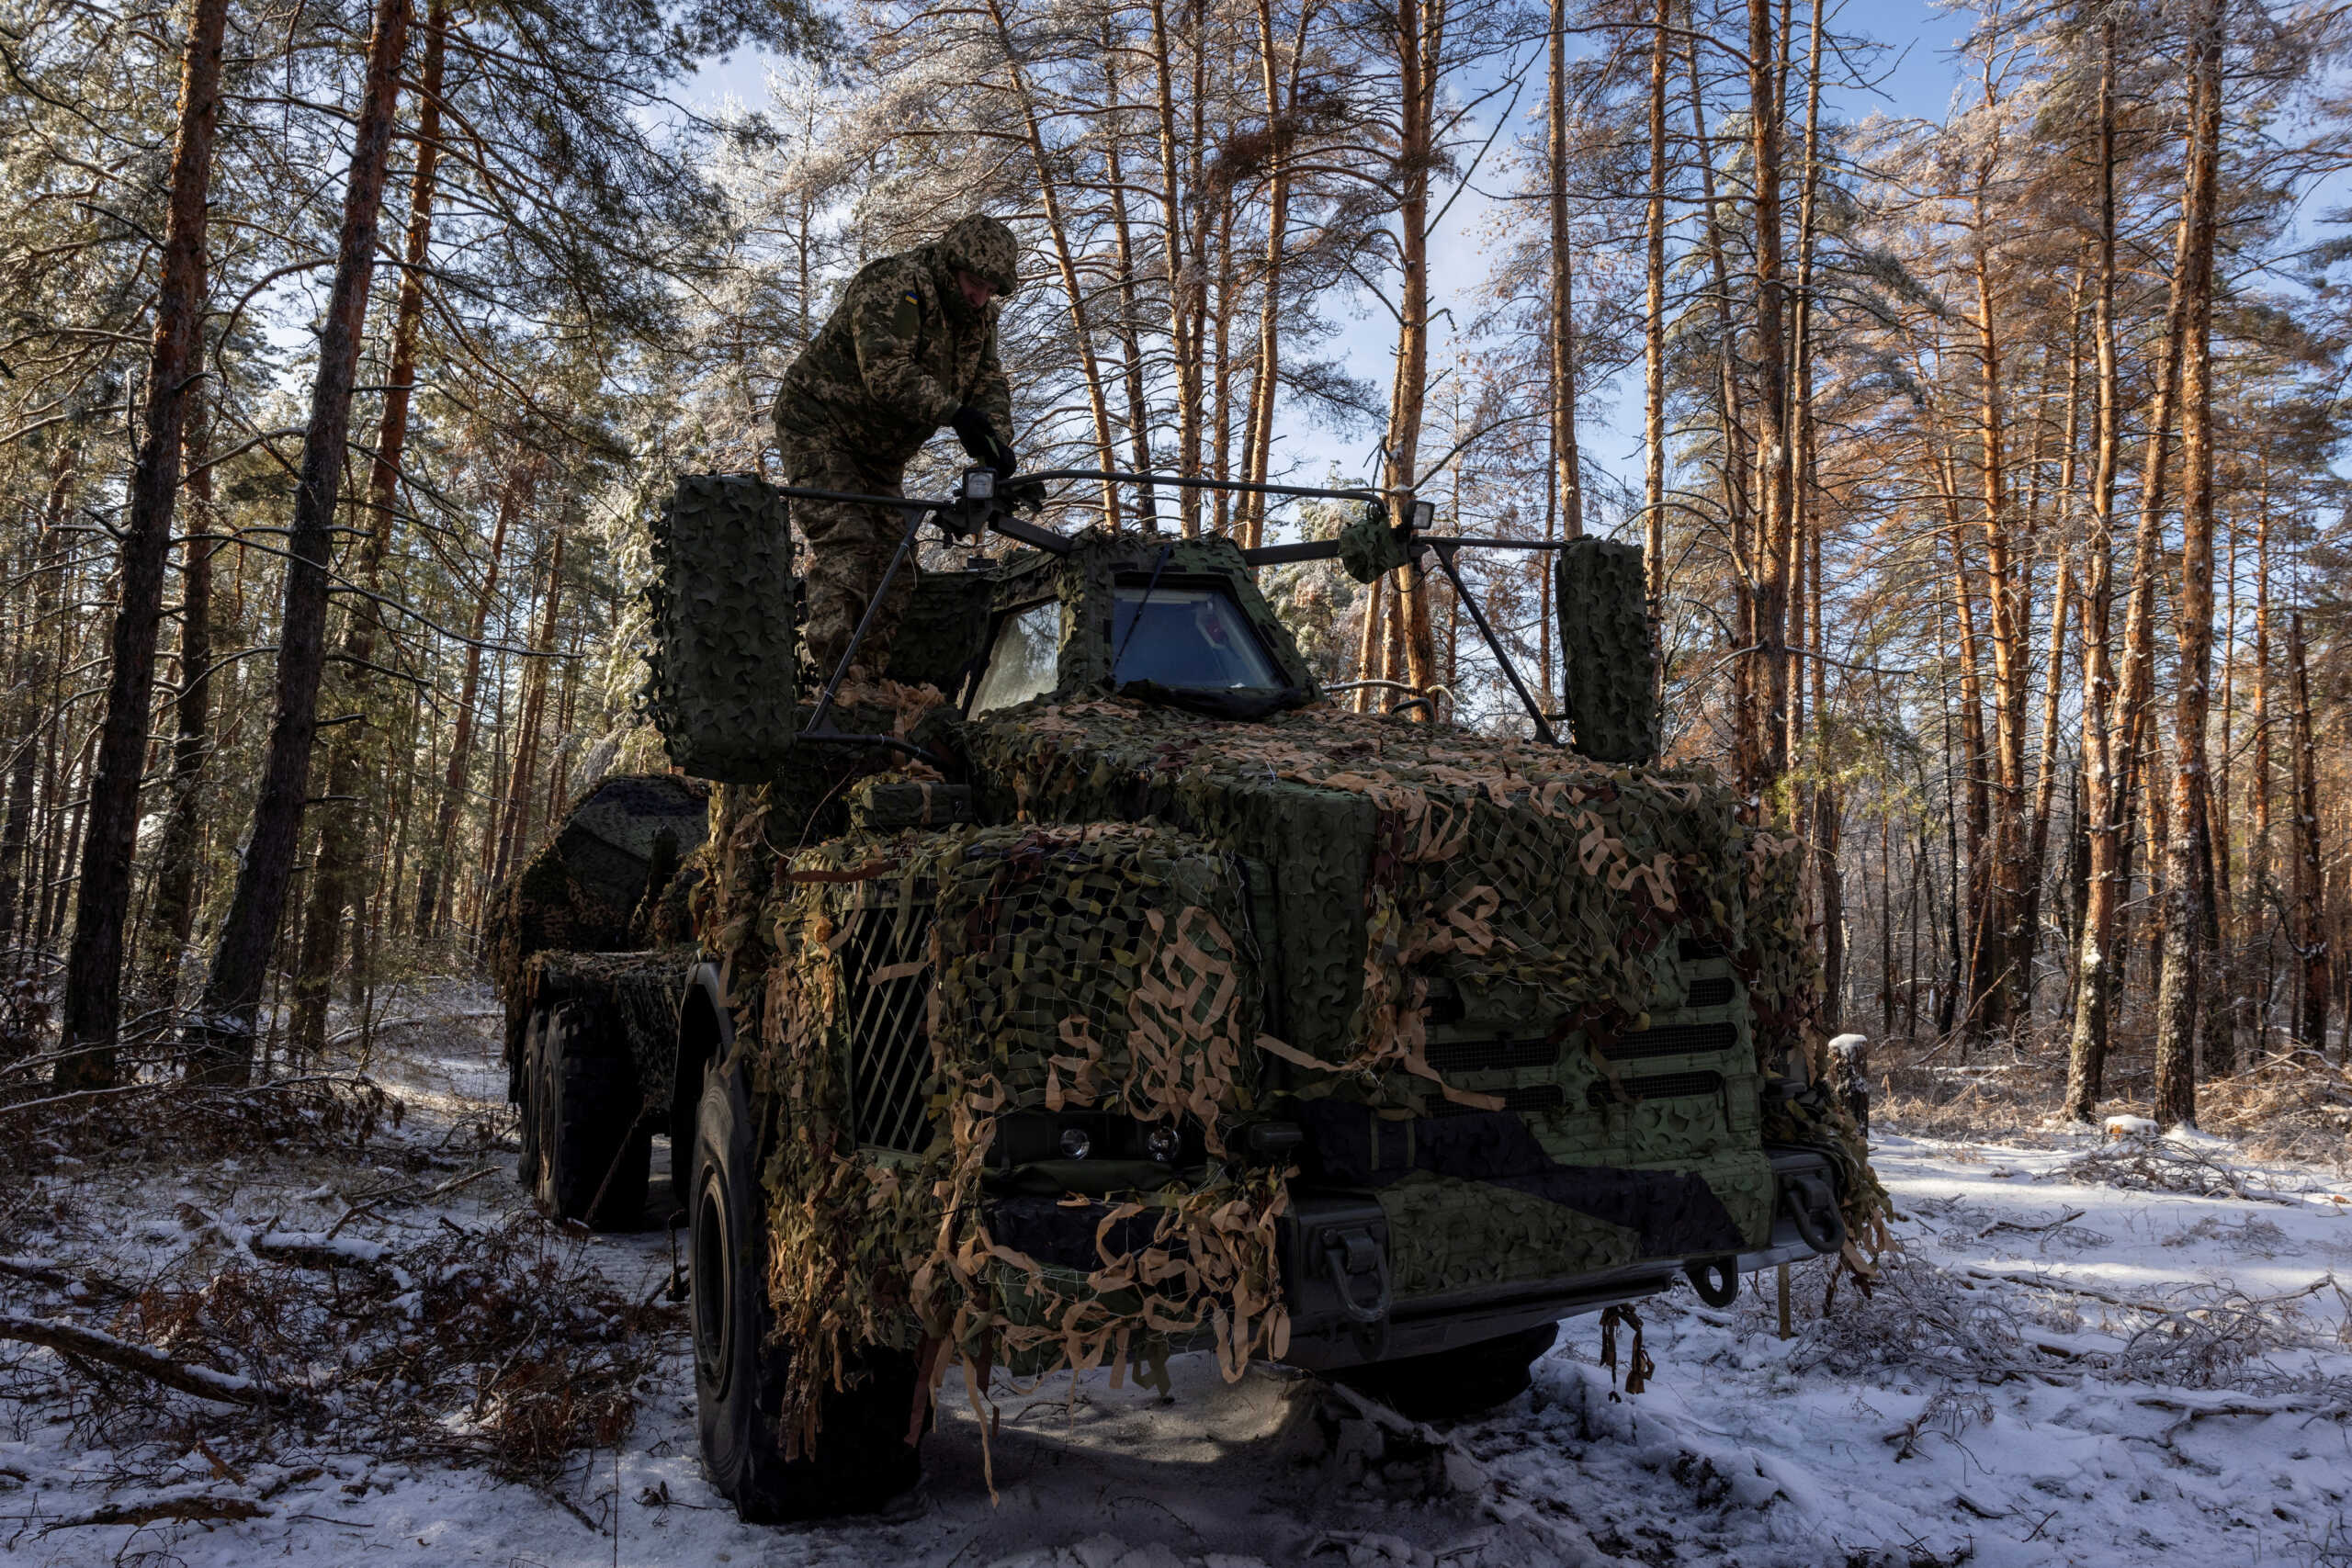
(1970, 378)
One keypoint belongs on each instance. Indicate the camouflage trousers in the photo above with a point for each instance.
(849, 550)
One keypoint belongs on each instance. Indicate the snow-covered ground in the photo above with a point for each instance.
(2061, 1370)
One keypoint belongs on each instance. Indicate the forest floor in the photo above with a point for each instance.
(2085, 1352)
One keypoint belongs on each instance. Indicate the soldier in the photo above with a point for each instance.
(910, 348)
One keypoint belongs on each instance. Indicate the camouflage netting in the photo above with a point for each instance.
(583, 890)
(1546, 887)
(720, 682)
(1168, 916)
(1540, 882)
(1608, 650)
(1107, 968)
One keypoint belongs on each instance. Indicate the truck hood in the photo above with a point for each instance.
(1418, 874)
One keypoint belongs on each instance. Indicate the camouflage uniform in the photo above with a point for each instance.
(900, 354)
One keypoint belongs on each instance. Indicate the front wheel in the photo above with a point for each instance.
(1457, 1383)
(863, 1456)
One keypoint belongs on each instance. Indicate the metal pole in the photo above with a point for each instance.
(1495, 646)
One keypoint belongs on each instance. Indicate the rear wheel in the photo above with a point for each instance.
(593, 1150)
(528, 1097)
(1457, 1383)
(863, 1458)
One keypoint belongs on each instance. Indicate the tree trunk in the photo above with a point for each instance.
(2188, 865)
(92, 1006)
(240, 973)
(1183, 335)
(1419, 32)
(2045, 788)
(36, 677)
(1653, 333)
(2311, 926)
(513, 833)
(171, 912)
(434, 900)
(2261, 877)
(1774, 458)
(2107, 776)
(1130, 316)
(1282, 106)
(1049, 189)
(1995, 980)
(1562, 338)
(357, 754)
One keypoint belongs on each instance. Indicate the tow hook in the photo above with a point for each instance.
(1347, 1256)
(1813, 1207)
(1715, 1279)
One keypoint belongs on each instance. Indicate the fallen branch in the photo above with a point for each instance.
(2043, 1283)
(187, 1508)
(72, 1339)
(2068, 1218)
(2191, 1408)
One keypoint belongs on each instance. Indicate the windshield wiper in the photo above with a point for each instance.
(1120, 657)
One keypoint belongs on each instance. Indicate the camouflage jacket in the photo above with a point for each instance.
(892, 366)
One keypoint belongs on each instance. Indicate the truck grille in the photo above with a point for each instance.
(887, 976)
(1712, 992)
(1491, 1055)
(1535, 1098)
(1658, 1086)
(1672, 1040)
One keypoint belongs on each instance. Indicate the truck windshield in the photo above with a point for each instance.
(1193, 638)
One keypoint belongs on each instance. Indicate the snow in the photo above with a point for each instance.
(2169, 1381)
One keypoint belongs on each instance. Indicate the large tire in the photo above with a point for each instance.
(528, 1097)
(590, 1138)
(863, 1458)
(1457, 1383)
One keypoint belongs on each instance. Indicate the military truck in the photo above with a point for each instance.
(1093, 987)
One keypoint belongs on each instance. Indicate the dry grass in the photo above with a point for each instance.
(2289, 1107)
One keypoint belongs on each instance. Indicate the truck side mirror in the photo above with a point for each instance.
(1612, 685)
(723, 656)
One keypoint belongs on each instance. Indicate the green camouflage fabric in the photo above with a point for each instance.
(1560, 910)
(1369, 545)
(849, 549)
(900, 354)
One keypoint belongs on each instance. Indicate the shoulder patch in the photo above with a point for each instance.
(905, 316)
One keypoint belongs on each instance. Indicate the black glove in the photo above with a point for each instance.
(1027, 495)
(980, 439)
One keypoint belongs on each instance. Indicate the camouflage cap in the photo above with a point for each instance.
(984, 247)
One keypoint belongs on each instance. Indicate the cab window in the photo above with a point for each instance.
(1024, 659)
(1193, 638)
